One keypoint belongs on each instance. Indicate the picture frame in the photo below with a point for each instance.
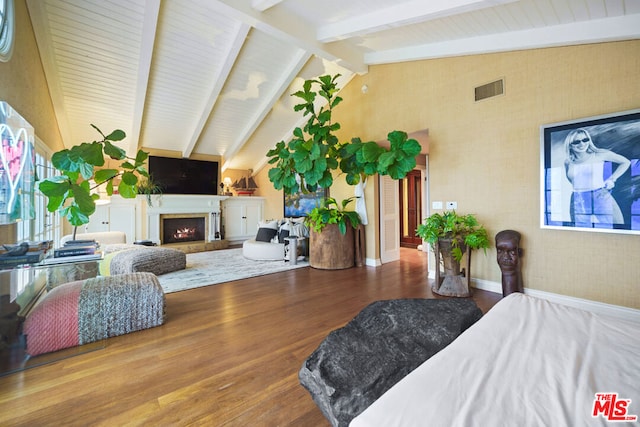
(300, 204)
(590, 174)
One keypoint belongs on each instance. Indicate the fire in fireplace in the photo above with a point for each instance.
(180, 230)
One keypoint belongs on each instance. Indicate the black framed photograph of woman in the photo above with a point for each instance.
(590, 174)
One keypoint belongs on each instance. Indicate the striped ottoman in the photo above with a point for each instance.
(149, 259)
(89, 310)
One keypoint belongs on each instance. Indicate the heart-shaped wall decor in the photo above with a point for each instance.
(14, 154)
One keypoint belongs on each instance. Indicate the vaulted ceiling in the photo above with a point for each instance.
(213, 77)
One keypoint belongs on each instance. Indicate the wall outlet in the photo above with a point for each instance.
(452, 205)
(436, 205)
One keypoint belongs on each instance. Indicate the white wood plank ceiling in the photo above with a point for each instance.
(214, 76)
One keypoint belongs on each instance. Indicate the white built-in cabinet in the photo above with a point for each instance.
(240, 217)
(138, 220)
(119, 215)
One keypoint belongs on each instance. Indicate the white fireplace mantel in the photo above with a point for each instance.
(184, 204)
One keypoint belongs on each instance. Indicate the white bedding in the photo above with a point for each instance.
(527, 362)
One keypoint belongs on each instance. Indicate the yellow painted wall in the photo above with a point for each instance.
(24, 87)
(486, 155)
(23, 84)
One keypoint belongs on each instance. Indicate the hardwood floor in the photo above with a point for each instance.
(228, 355)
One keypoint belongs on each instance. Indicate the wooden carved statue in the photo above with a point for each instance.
(509, 254)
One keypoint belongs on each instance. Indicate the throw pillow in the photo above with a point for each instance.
(299, 228)
(284, 231)
(266, 231)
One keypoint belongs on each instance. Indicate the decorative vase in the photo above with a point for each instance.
(451, 266)
(455, 281)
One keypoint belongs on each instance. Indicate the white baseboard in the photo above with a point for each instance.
(617, 311)
(372, 262)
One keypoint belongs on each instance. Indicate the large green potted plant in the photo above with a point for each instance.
(451, 235)
(331, 229)
(74, 191)
(310, 159)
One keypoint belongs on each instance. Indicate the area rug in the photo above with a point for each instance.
(213, 267)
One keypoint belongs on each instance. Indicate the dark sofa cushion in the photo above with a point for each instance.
(265, 234)
(267, 230)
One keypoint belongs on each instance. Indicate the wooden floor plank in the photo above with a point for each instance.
(228, 354)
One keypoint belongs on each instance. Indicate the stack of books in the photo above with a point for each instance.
(30, 257)
(75, 250)
(23, 253)
(33, 246)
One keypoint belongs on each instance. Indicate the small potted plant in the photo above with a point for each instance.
(451, 235)
(330, 213)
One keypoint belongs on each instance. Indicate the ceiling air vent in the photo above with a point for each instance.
(489, 90)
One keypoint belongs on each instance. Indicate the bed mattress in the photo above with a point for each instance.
(527, 362)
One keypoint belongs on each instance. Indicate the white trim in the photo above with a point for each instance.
(593, 31)
(372, 262)
(7, 41)
(617, 311)
(401, 14)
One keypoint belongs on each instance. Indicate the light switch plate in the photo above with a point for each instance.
(436, 205)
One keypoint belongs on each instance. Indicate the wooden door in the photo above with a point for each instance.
(410, 209)
(389, 221)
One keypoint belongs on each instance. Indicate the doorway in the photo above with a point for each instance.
(410, 208)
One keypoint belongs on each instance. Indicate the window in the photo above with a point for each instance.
(6, 29)
(46, 225)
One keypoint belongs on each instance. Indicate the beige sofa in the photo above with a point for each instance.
(102, 237)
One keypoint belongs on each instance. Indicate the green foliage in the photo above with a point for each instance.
(71, 191)
(456, 227)
(330, 213)
(308, 160)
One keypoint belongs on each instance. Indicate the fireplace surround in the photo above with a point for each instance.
(169, 206)
(183, 228)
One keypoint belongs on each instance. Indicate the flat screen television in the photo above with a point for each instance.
(184, 176)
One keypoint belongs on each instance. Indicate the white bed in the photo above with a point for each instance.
(527, 362)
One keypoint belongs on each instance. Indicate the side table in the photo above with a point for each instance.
(20, 289)
(293, 249)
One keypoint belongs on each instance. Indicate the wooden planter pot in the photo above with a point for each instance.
(331, 250)
(454, 282)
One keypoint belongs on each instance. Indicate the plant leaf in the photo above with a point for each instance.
(88, 153)
(103, 175)
(371, 151)
(127, 191)
(83, 199)
(141, 156)
(86, 170)
(116, 135)
(51, 188)
(129, 178)
(114, 152)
